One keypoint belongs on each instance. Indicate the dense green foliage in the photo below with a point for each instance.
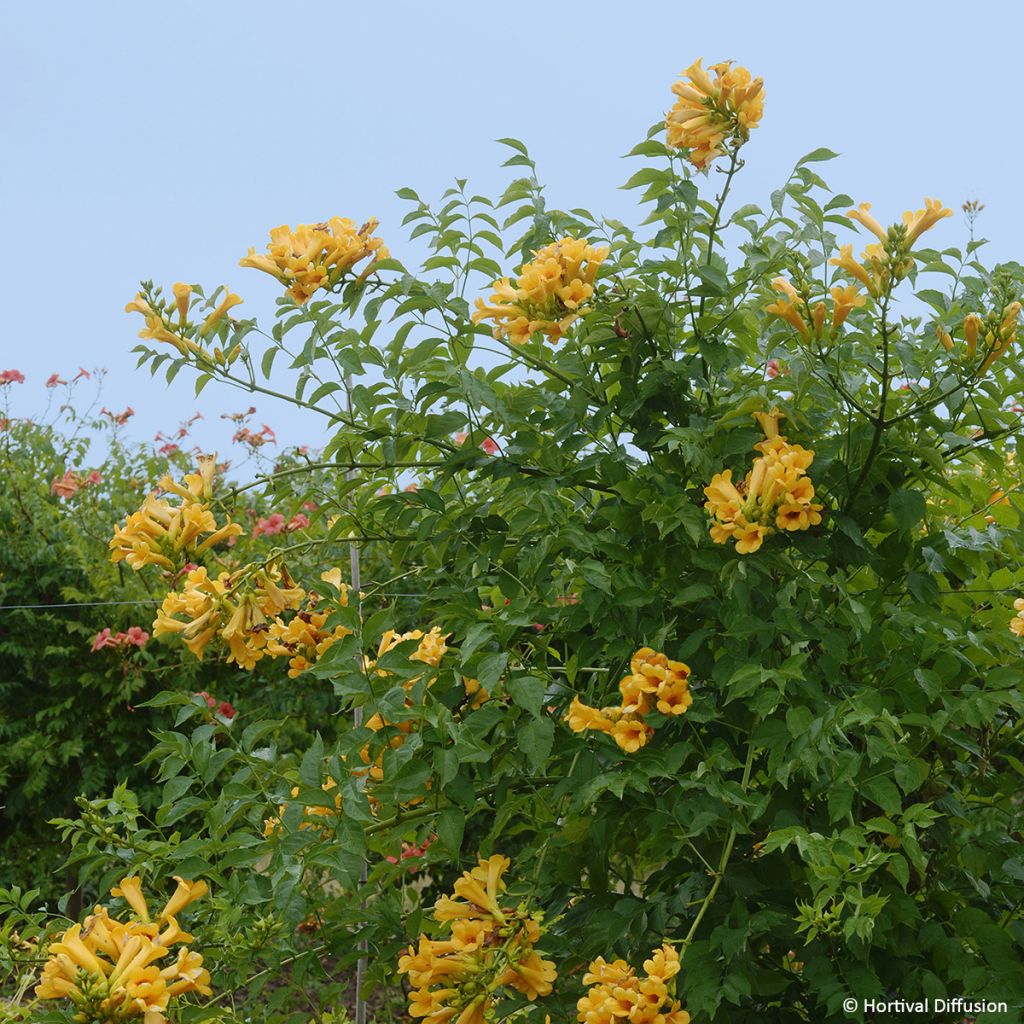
(74, 721)
(845, 783)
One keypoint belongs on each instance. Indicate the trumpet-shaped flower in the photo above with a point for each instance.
(654, 680)
(917, 222)
(182, 297)
(549, 295)
(186, 892)
(845, 299)
(617, 993)
(793, 306)
(710, 114)
(316, 256)
(863, 216)
(163, 534)
(491, 948)
(229, 301)
(790, 312)
(111, 970)
(889, 260)
(845, 261)
(775, 495)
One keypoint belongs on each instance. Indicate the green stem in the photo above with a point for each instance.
(879, 419)
(536, 361)
(734, 166)
(251, 385)
(265, 478)
(723, 860)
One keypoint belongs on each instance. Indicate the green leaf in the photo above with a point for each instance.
(348, 853)
(514, 144)
(840, 801)
(451, 824)
(715, 281)
(901, 870)
(883, 792)
(490, 668)
(312, 767)
(908, 508)
(536, 737)
(527, 692)
(816, 156)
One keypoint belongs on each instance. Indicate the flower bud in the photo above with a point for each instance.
(972, 324)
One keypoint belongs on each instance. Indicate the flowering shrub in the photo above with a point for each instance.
(823, 807)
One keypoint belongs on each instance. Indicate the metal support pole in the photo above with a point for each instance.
(357, 721)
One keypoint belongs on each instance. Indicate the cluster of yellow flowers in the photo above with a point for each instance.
(887, 261)
(316, 256)
(654, 681)
(997, 332)
(246, 614)
(111, 970)
(314, 816)
(432, 648)
(548, 295)
(617, 993)
(490, 947)
(810, 322)
(1017, 622)
(160, 326)
(159, 530)
(711, 112)
(776, 494)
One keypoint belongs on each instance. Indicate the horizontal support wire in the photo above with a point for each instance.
(108, 604)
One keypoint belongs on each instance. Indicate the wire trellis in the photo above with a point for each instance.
(108, 604)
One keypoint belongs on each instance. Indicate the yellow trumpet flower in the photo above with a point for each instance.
(186, 892)
(182, 293)
(110, 969)
(549, 294)
(776, 494)
(615, 986)
(919, 221)
(845, 261)
(491, 947)
(316, 256)
(710, 113)
(130, 890)
(863, 216)
(229, 301)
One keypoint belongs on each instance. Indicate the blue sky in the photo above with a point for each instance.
(161, 140)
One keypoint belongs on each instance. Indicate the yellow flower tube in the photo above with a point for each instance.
(130, 889)
(186, 892)
(72, 946)
(863, 216)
